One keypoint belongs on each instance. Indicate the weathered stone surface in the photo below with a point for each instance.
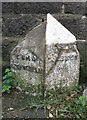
(27, 65)
(62, 68)
(27, 59)
(51, 57)
(31, 7)
(35, 40)
(74, 7)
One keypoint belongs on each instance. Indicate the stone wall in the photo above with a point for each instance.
(19, 18)
(45, 7)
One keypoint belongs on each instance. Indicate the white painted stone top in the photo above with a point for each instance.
(57, 33)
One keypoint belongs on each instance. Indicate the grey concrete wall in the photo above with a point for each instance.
(45, 7)
(31, 7)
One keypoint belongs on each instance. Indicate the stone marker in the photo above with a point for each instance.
(62, 56)
(47, 55)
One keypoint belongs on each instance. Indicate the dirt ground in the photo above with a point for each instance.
(16, 105)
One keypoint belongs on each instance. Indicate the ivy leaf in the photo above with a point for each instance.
(80, 110)
(78, 102)
(6, 88)
(10, 74)
(83, 103)
(8, 81)
(5, 77)
(7, 70)
(82, 98)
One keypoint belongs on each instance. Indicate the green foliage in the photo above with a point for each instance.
(66, 105)
(6, 88)
(9, 81)
(76, 106)
(59, 102)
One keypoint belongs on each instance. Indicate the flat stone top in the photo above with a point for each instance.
(57, 33)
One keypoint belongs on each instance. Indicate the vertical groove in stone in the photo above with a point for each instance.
(44, 74)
